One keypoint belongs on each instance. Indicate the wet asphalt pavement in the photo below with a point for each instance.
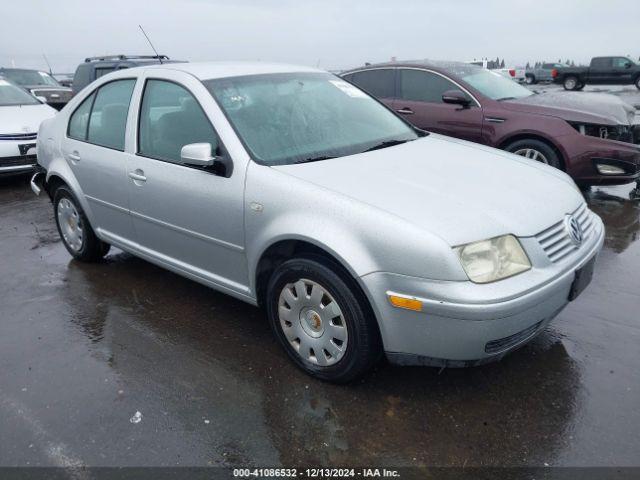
(84, 347)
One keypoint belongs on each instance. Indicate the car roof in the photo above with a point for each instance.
(437, 65)
(212, 70)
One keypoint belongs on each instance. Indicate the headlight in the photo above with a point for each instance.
(494, 259)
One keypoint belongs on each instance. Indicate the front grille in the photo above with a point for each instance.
(502, 344)
(18, 136)
(555, 240)
(17, 161)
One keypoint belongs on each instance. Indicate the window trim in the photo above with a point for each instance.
(223, 150)
(94, 92)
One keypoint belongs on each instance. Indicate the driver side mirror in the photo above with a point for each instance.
(201, 155)
(456, 97)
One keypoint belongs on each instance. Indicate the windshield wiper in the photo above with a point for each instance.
(315, 159)
(505, 98)
(385, 144)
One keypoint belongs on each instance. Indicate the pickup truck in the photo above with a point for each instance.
(602, 71)
(543, 73)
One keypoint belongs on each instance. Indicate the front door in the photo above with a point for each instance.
(419, 100)
(188, 218)
(94, 149)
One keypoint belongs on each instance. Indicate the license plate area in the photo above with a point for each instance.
(582, 278)
(25, 147)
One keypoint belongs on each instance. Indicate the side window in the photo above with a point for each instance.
(420, 86)
(620, 62)
(108, 119)
(170, 118)
(379, 83)
(79, 120)
(103, 71)
(601, 63)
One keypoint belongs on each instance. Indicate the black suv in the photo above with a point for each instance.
(95, 67)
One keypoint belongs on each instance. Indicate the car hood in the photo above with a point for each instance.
(24, 118)
(587, 107)
(457, 190)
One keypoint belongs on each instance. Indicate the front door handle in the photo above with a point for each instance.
(138, 176)
(405, 111)
(75, 156)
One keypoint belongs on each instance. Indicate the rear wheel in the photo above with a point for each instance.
(637, 83)
(322, 320)
(571, 83)
(530, 80)
(75, 231)
(535, 150)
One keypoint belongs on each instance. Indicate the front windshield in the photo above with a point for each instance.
(10, 95)
(494, 85)
(30, 77)
(299, 117)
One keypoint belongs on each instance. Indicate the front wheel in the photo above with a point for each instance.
(322, 320)
(535, 150)
(75, 231)
(530, 80)
(637, 83)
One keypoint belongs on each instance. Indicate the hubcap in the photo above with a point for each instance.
(70, 224)
(532, 154)
(312, 322)
(571, 84)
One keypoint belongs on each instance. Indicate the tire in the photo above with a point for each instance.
(580, 86)
(74, 228)
(637, 83)
(337, 348)
(570, 82)
(528, 148)
(530, 80)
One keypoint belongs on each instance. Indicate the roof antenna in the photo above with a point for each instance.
(48, 64)
(152, 47)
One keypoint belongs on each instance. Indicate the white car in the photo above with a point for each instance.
(20, 118)
(514, 73)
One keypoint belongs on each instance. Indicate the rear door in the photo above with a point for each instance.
(419, 100)
(94, 148)
(601, 71)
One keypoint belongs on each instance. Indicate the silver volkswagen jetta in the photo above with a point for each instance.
(289, 188)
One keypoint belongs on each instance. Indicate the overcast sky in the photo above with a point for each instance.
(334, 34)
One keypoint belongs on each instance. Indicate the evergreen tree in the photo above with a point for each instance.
(502, 63)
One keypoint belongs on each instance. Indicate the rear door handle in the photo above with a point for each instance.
(138, 176)
(405, 111)
(75, 156)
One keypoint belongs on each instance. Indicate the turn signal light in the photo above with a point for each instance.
(406, 303)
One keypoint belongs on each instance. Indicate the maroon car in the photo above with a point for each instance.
(590, 136)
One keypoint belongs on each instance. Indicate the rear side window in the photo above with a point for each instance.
(101, 118)
(170, 118)
(379, 83)
(421, 86)
(103, 71)
(601, 63)
(79, 120)
(108, 119)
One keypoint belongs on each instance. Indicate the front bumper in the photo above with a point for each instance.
(17, 156)
(463, 323)
(585, 152)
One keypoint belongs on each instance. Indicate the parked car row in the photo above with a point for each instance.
(39, 84)
(360, 233)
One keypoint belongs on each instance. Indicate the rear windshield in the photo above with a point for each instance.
(10, 95)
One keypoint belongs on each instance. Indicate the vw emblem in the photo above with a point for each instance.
(573, 229)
